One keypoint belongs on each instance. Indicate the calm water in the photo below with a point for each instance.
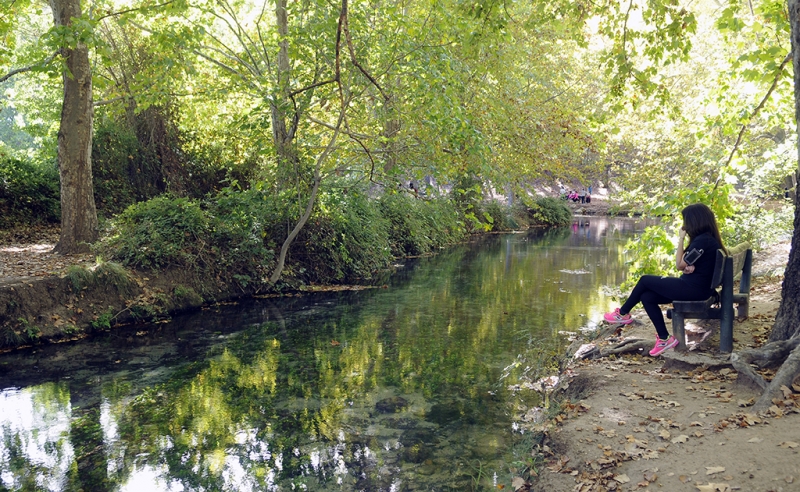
(422, 384)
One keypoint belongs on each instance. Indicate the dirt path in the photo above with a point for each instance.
(679, 422)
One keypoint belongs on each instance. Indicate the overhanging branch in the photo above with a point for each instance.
(28, 68)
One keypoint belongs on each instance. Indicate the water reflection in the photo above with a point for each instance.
(398, 388)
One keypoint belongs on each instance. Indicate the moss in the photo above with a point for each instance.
(186, 297)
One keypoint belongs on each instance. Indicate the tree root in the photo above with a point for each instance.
(625, 346)
(785, 351)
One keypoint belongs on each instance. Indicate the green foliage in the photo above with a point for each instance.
(29, 193)
(549, 211)
(186, 296)
(651, 253)
(104, 274)
(346, 238)
(103, 321)
(418, 226)
(9, 337)
(760, 225)
(501, 217)
(31, 332)
(124, 172)
(161, 232)
(80, 277)
(113, 274)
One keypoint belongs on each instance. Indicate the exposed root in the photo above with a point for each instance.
(627, 346)
(592, 351)
(785, 351)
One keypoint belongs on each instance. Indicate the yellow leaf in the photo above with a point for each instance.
(710, 470)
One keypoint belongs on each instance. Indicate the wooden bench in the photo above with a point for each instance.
(738, 262)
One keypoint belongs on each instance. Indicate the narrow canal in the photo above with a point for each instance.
(419, 384)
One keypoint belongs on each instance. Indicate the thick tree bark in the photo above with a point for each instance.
(787, 322)
(78, 212)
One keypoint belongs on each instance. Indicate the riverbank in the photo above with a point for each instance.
(680, 422)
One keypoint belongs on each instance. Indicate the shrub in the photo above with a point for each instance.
(346, 237)
(549, 211)
(247, 228)
(159, 233)
(418, 226)
(501, 216)
(29, 193)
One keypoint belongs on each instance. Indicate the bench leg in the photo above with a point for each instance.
(743, 310)
(726, 329)
(678, 330)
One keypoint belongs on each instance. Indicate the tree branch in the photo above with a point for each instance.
(755, 112)
(28, 68)
(311, 200)
(352, 51)
(135, 9)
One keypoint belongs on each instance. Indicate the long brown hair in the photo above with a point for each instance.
(699, 219)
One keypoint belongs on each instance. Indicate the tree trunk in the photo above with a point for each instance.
(78, 212)
(787, 322)
(283, 133)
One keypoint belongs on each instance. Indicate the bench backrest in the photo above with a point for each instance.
(739, 259)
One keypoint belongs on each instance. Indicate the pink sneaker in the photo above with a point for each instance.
(615, 317)
(663, 345)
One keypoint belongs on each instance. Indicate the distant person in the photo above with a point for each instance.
(582, 195)
(590, 190)
(588, 198)
(697, 264)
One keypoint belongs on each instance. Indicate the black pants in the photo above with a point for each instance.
(652, 290)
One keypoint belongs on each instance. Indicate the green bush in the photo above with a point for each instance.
(418, 226)
(345, 238)
(159, 233)
(248, 226)
(549, 211)
(29, 193)
(236, 234)
(501, 216)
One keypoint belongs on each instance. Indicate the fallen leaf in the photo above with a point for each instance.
(787, 392)
(714, 487)
(755, 439)
(684, 478)
(680, 439)
(710, 470)
(622, 478)
(517, 483)
(788, 444)
(664, 434)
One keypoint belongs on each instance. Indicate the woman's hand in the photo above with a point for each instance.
(688, 269)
